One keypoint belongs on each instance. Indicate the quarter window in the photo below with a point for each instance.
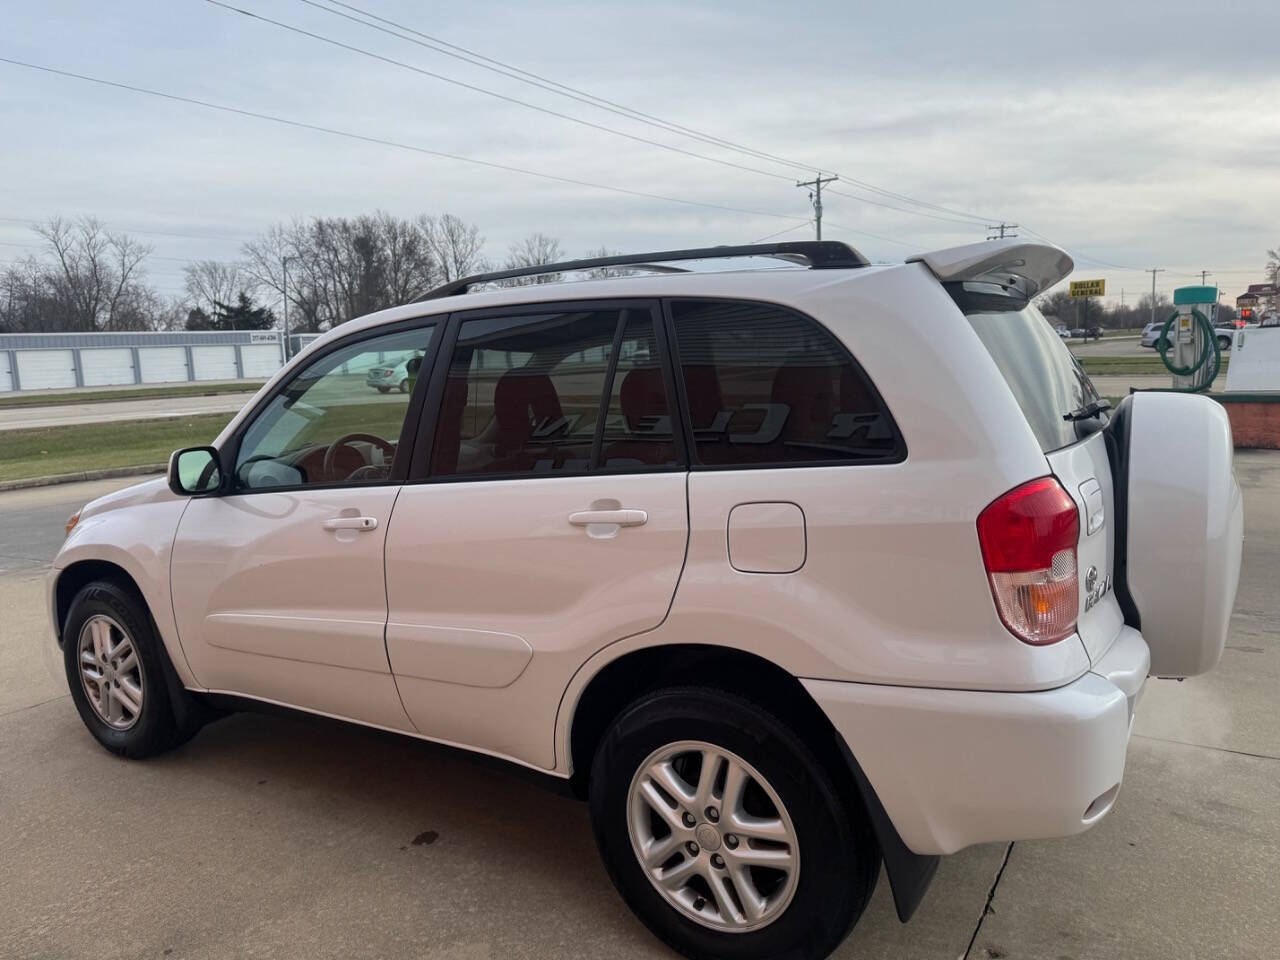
(338, 421)
(554, 393)
(767, 386)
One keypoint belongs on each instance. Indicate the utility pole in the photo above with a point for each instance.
(284, 292)
(1203, 274)
(1001, 231)
(815, 197)
(1153, 273)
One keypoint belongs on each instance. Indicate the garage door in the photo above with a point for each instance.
(214, 363)
(162, 364)
(6, 375)
(102, 367)
(260, 359)
(46, 369)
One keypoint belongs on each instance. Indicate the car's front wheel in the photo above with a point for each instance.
(724, 833)
(117, 677)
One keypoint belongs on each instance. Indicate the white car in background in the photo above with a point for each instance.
(394, 376)
(783, 598)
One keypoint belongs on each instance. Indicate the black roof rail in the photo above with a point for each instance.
(818, 254)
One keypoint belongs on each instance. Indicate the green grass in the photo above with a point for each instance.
(49, 451)
(1123, 365)
(130, 393)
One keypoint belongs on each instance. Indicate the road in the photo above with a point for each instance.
(1127, 346)
(298, 838)
(106, 411)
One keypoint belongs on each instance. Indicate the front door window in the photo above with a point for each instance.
(338, 421)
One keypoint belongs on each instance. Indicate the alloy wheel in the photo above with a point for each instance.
(111, 672)
(713, 836)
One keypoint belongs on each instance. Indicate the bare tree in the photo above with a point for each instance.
(211, 282)
(98, 275)
(534, 250)
(455, 246)
(343, 267)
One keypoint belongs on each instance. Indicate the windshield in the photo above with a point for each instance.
(1046, 380)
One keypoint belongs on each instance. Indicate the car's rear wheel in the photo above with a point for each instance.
(724, 833)
(116, 675)
(404, 385)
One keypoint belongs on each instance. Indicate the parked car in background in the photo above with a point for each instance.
(782, 598)
(1151, 333)
(1093, 333)
(1062, 331)
(387, 377)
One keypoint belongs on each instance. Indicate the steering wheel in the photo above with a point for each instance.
(386, 447)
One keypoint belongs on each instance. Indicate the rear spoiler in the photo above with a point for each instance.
(1037, 265)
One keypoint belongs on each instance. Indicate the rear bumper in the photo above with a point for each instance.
(959, 767)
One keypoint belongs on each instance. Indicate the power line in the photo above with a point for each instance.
(158, 233)
(770, 236)
(864, 233)
(381, 141)
(491, 93)
(915, 213)
(575, 93)
(540, 109)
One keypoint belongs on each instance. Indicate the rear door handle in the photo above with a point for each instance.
(621, 518)
(351, 523)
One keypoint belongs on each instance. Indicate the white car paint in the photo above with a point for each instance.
(495, 611)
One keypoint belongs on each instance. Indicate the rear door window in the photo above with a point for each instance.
(765, 386)
(555, 393)
(1045, 378)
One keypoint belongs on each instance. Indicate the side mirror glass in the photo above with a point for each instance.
(195, 471)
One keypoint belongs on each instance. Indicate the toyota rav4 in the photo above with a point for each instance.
(782, 597)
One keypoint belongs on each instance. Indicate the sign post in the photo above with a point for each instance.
(1083, 290)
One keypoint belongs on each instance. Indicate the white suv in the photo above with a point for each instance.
(783, 597)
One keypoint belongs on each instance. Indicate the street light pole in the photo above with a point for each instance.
(284, 291)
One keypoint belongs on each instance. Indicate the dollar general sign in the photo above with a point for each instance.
(1088, 288)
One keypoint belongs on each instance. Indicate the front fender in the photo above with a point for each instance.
(139, 540)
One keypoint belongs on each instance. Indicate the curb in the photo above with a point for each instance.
(82, 475)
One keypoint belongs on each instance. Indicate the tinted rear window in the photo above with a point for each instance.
(765, 386)
(1045, 378)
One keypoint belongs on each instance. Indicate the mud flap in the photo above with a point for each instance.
(1180, 526)
(909, 873)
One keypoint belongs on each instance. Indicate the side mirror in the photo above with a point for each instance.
(195, 471)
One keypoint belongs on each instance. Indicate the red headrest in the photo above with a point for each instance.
(523, 399)
(643, 395)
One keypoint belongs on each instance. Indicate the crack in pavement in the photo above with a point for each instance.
(32, 706)
(1205, 746)
(986, 907)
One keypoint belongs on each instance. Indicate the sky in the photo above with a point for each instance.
(1135, 134)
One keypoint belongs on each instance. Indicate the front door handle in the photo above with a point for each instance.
(620, 518)
(351, 523)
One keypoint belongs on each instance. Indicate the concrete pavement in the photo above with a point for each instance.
(284, 837)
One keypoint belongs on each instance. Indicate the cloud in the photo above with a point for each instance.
(1139, 133)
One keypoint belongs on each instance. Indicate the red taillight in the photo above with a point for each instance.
(1028, 539)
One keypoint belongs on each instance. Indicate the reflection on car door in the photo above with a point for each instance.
(551, 522)
(278, 585)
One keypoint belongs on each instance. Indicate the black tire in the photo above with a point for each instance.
(1224, 343)
(383, 389)
(161, 724)
(839, 859)
(404, 385)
